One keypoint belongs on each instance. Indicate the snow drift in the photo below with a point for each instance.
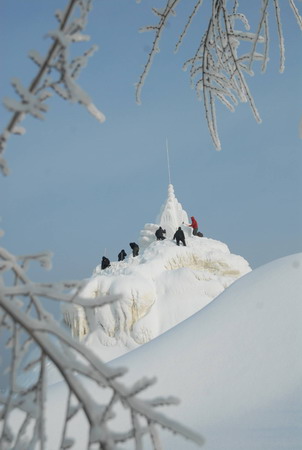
(235, 364)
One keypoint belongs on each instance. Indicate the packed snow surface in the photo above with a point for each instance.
(158, 289)
(236, 366)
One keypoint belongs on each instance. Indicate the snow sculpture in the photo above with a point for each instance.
(171, 215)
(162, 286)
(147, 235)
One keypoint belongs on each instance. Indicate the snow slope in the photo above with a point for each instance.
(236, 366)
(158, 289)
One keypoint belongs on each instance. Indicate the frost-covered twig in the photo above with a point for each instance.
(56, 73)
(296, 13)
(188, 23)
(163, 15)
(27, 324)
(280, 35)
(217, 68)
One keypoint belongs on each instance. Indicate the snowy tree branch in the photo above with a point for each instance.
(217, 69)
(164, 15)
(56, 63)
(27, 323)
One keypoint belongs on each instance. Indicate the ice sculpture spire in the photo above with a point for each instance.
(171, 215)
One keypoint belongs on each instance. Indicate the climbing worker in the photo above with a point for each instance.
(194, 225)
(122, 255)
(135, 248)
(179, 236)
(105, 263)
(159, 233)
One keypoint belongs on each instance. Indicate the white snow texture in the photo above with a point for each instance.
(162, 286)
(236, 366)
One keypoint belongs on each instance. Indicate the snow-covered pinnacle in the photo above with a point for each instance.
(171, 215)
(162, 286)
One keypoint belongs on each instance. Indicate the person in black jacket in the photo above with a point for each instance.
(105, 263)
(135, 248)
(122, 255)
(159, 233)
(179, 236)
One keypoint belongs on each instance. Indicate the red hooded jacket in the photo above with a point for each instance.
(194, 223)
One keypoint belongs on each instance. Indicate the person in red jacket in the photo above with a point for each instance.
(194, 225)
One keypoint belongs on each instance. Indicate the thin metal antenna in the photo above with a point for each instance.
(168, 160)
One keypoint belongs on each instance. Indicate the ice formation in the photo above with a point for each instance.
(162, 286)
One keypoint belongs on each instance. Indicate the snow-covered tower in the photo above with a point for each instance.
(170, 217)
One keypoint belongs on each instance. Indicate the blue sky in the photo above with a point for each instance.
(78, 187)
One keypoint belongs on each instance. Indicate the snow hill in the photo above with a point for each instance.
(236, 366)
(162, 286)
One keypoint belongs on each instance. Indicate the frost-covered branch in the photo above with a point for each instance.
(56, 73)
(163, 14)
(188, 23)
(27, 325)
(217, 69)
